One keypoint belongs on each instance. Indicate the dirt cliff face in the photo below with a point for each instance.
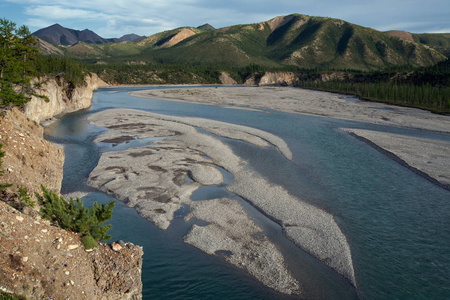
(29, 159)
(62, 97)
(38, 260)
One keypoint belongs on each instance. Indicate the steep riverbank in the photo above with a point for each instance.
(38, 260)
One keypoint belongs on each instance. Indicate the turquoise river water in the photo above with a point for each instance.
(397, 223)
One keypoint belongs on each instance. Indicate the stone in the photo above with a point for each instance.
(19, 218)
(115, 246)
(72, 247)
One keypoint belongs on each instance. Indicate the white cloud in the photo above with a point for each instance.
(55, 12)
(116, 17)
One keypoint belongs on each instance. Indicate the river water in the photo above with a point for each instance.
(397, 223)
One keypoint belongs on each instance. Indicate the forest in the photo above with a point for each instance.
(20, 62)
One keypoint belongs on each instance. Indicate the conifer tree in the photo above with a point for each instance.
(17, 53)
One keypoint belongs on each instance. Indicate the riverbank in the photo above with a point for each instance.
(296, 100)
(159, 179)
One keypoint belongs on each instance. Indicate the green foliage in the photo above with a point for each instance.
(88, 242)
(72, 71)
(25, 198)
(7, 296)
(425, 95)
(72, 215)
(2, 154)
(17, 56)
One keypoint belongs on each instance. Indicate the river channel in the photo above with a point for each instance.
(397, 223)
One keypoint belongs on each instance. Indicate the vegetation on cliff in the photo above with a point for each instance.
(17, 53)
(72, 215)
(20, 61)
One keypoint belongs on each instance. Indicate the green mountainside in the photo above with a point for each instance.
(296, 40)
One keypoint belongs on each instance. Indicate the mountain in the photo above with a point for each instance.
(206, 27)
(130, 38)
(298, 40)
(59, 35)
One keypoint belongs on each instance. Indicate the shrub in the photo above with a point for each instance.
(89, 242)
(25, 197)
(2, 154)
(72, 215)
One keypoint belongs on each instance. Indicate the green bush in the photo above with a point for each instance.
(7, 296)
(25, 197)
(2, 154)
(72, 215)
(89, 242)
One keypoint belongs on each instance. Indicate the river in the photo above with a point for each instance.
(397, 223)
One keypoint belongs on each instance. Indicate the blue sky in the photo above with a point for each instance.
(114, 18)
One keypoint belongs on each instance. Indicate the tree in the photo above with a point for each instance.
(72, 215)
(17, 54)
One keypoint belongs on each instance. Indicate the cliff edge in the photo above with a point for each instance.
(62, 97)
(40, 261)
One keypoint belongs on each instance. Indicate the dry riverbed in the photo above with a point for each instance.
(430, 157)
(159, 179)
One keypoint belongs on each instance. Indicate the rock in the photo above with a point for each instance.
(19, 218)
(226, 79)
(72, 247)
(25, 259)
(115, 246)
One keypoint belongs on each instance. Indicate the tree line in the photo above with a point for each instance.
(20, 61)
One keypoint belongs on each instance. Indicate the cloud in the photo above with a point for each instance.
(56, 12)
(111, 17)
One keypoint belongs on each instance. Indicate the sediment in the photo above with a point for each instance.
(152, 180)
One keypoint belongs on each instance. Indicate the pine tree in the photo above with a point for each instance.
(17, 53)
(72, 215)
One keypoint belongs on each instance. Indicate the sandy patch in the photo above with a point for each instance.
(152, 179)
(296, 100)
(426, 157)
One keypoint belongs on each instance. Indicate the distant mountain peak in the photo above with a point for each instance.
(59, 35)
(206, 26)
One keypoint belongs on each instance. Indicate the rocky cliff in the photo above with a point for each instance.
(273, 78)
(61, 97)
(37, 260)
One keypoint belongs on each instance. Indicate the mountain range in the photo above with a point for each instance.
(59, 35)
(298, 40)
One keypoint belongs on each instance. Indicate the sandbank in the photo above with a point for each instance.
(152, 179)
(428, 158)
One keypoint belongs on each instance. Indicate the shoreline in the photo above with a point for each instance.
(324, 104)
(304, 101)
(156, 187)
(418, 165)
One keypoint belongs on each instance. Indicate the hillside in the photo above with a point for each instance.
(296, 40)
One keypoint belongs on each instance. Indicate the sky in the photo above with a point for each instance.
(114, 18)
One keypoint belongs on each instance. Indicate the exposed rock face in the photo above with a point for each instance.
(40, 261)
(226, 79)
(62, 98)
(401, 34)
(278, 78)
(182, 35)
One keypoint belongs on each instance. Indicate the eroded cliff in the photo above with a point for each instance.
(38, 260)
(62, 97)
